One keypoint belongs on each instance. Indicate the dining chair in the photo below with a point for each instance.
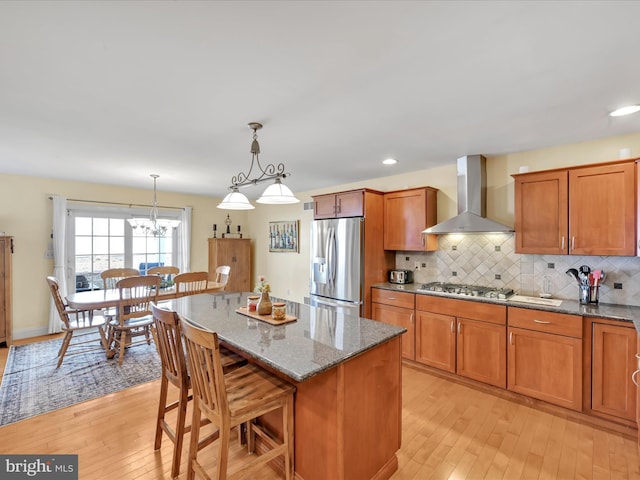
(222, 275)
(166, 273)
(111, 276)
(167, 335)
(76, 321)
(230, 400)
(190, 283)
(134, 317)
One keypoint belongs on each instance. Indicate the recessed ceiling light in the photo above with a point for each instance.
(389, 161)
(628, 110)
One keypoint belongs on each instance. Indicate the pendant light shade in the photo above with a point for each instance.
(277, 194)
(235, 201)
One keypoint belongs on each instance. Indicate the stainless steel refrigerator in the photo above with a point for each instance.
(337, 264)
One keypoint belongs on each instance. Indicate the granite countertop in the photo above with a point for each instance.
(573, 307)
(318, 340)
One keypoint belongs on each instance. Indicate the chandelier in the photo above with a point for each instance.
(275, 194)
(153, 226)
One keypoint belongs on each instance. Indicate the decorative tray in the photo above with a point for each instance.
(266, 318)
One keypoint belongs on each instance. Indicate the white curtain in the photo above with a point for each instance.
(59, 257)
(184, 240)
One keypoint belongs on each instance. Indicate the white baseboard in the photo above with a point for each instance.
(28, 333)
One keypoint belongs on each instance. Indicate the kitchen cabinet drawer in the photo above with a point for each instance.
(486, 312)
(549, 322)
(394, 298)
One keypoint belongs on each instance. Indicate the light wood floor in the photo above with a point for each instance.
(450, 431)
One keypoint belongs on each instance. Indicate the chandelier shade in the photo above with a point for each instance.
(235, 201)
(276, 194)
(153, 226)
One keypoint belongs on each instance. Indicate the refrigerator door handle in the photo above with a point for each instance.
(331, 256)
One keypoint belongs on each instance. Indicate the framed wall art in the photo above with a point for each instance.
(283, 236)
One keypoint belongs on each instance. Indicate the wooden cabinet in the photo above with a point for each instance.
(406, 214)
(613, 362)
(545, 356)
(541, 206)
(339, 205)
(396, 308)
(468, 338)
(235, 252)
(578, 211)
(6, 249)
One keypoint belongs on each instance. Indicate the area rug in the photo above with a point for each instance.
(32, 385)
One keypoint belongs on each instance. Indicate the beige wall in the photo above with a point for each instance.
(26, 214)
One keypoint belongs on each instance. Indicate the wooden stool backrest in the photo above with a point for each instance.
(169, 342)
(205, 370)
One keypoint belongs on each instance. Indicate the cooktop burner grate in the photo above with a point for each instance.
(467, 290)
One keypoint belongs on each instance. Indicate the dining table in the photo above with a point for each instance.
(110, 298)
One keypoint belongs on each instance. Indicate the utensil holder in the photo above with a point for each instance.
(594, 293)
(588, 294)
(584, 294)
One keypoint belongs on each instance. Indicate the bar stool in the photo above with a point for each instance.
(231, 400)
(167, 335)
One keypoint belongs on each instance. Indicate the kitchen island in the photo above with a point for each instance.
(347, 372)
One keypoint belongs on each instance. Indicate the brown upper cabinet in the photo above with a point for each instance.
(406, 214)
(339, 205)
(577, 211)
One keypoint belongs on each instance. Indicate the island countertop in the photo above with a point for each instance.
(317, 341)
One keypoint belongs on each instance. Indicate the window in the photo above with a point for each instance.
(99, 238)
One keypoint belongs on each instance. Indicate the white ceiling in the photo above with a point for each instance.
(111, 92)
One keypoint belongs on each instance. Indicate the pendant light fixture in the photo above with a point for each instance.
(153, 226)
(275, 194)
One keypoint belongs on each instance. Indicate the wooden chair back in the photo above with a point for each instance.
(136, 295)
(111, 276)
(190, 283)
(222, 275)
(169, 342)
(57, 300)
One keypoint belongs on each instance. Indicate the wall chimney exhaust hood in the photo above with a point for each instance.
(472, 186)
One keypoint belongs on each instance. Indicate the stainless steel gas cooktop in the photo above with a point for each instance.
(466, 290)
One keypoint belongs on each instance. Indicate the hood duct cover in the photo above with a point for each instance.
(472, 186)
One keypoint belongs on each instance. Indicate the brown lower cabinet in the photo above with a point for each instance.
(613, 363)
(396, 308)
(545, 356)
(468, 338)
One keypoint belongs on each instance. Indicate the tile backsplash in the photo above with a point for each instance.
(490, 259)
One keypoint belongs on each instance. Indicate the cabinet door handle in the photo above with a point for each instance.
(542, 322)
(510, 338)
(573, 243)
(339, 207)
(411, 319)
(562, 245)
(633, 378)
(452, 326)
(459, 329)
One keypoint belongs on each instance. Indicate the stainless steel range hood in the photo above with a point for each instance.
(472, 186)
